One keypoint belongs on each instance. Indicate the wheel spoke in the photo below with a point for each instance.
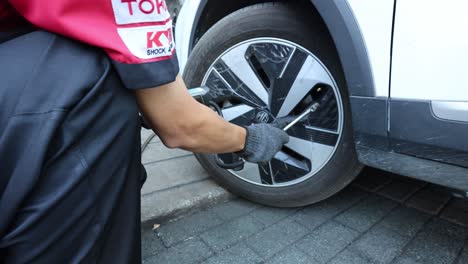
(301, 147)
(282, 86)
(265, 171)
(311, 134)
(304, 77)
(317, 153)
(250, 172)
(288, 168)
(273, 58)
(327, 115)
(239, 70)
(238, 111)
(220, 90)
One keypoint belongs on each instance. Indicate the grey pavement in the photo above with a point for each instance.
(379, 218)
(176, 184)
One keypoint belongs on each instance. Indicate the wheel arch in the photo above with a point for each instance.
(338, 18)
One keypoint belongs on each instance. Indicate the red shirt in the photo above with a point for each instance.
(136, 34)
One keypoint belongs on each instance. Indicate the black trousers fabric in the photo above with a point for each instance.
(70, 161)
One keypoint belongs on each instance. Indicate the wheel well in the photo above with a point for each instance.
(216, 10)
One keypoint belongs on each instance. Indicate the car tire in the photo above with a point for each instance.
(289, 23)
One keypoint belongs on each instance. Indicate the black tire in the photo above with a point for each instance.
(290, 23)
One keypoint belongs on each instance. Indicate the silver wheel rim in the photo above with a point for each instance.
(275, 75)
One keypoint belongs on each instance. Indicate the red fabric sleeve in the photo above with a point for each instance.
(136, 34)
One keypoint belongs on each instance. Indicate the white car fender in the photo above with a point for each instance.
(184, 30)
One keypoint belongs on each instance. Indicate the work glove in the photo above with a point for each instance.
(263, 142)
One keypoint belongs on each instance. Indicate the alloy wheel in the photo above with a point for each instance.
(262, 79)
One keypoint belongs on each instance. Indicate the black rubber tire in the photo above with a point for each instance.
(288, 22)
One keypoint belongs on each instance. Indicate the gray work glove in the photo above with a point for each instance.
(263, 142)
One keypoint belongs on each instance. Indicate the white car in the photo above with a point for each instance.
(394, 75)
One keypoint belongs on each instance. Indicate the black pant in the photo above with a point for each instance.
(70, 161)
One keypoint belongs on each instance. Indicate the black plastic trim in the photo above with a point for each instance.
(370, 121)
(416, 131)
(427, 170)
(344, 29)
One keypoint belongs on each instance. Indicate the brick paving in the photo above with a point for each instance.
(380, 218)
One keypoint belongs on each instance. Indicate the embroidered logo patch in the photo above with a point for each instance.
(140, 11)
(149, 42)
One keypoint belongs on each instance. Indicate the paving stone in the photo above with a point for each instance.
(349, 257)
(182, 229)
(181, 200)
(239, 254)
(173, 173)
(269, 216)
(405, 221)
(172, 233)
(463, 257)
(231, 232)
(234, 208)
(201, 221)
(157, 152)
(430, 199)
(380, 244)
(346, 198)
(399, 190)
(372, 179)
(411, 181)
(291, 255)
(152, 244)
(317, 214)
(275, 238)
(406, 261)
(188, 252)
(457, 212)
(327, 241)
(440, 226)
(366, 213)
(439, 242)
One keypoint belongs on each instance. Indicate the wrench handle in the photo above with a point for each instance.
(309, 110)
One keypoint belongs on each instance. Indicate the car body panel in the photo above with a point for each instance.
(186, 21)
(430, 51)
(375, 20)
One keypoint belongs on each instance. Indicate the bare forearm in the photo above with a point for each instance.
(182, 122)
(212, 134)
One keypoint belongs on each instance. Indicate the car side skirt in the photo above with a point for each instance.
(415, 130)
(448, 175)
(415, 142)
